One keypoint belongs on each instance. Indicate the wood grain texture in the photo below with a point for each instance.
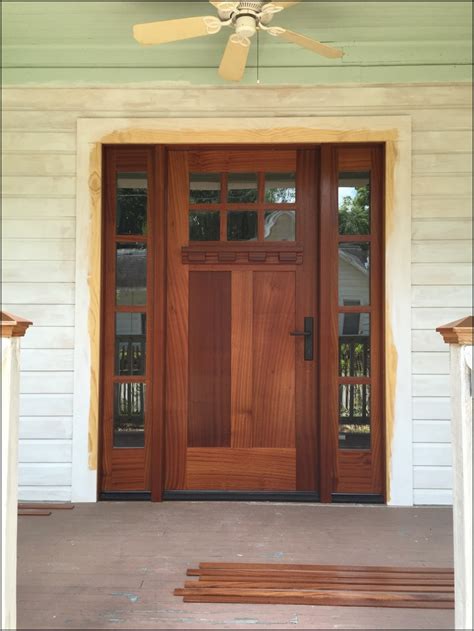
(242, 414)
(335, 598)
(177, 325)
(328, 324)
(274, 359)
(306, 375)
(241, 469)
(209, 359)
(244, 161)
(311, 567)
(322, 584)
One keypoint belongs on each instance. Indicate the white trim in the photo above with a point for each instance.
(270, 130)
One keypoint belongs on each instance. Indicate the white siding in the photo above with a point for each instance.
(39, 247)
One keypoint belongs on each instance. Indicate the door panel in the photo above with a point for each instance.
(273, 359)
(241, 469)
(234, 360)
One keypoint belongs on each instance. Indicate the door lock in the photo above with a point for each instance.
(308, 338)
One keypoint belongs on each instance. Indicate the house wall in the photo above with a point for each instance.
(39, 242)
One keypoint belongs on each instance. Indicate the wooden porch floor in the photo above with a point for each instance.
(114, 565)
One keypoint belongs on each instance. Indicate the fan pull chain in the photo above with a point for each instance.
(258, 57)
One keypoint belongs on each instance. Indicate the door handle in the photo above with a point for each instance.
(308, 338)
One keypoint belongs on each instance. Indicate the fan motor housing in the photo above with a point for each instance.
(246, 25)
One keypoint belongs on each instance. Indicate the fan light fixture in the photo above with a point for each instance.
(246, 18)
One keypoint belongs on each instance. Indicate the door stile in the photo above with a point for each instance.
(307, 443)
(328, 324)
(177, 351)
(158, 339)
(377, 316)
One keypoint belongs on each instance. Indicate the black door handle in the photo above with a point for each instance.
(308, 338)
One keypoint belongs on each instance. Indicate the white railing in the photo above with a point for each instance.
(459, 335)
(13, 329)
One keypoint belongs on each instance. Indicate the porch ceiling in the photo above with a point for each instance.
(92, 42)
(115, 565)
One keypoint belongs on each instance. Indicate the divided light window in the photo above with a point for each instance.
(242, 207)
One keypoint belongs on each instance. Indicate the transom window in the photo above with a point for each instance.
(258, 207)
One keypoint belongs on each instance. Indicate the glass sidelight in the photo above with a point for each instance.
(354, 290)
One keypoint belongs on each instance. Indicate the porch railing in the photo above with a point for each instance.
(459, 335)
(13, 328)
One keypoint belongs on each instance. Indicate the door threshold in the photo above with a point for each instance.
(240, 496)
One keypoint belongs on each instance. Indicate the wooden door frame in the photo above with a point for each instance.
(93, 133)
(321, 261)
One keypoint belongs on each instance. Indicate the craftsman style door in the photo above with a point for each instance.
(241, 342)
(242, 323)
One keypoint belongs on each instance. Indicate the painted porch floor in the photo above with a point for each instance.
(114, 565)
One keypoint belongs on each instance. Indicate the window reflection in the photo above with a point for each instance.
(204, 188)
(130, 340)
(129, 415)
(131, 274)
(132, 197)
(204, 226)
(242, 188)
(354, 274)
(242, 226)
(354, 203)
(354, 416)
(280, 188)
(354, 344)
(280, 225)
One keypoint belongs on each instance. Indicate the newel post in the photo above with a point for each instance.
(459, 335)
(13, 328)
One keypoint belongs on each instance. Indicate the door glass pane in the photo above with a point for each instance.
(280, 188)
(204, 225)
(131, 274)
(130, 338)
(354, 345)
(354, 203)
(280, 225)
(242, 226)
(204, 188)
(129, 415)
(242, 188)
(354, 274)
(354, 416)
(132, 196)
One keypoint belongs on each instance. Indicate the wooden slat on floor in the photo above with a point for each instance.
(335, 585)
(325, 568)
(45, 506)
(320, 585)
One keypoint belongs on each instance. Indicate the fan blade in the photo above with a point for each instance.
(285, 5)
(175, 30)
(224, 6)
(306, 42)
(234, 59)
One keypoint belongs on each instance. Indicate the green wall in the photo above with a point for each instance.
(91, 43)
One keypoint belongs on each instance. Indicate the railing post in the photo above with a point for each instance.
(459, 335)
(13, 329)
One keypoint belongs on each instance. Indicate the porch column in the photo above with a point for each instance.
(13, 328)
(459, 335)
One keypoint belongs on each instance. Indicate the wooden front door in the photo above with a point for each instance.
(242, 322)
(241, 330)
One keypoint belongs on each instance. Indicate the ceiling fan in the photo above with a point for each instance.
(245, 18)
